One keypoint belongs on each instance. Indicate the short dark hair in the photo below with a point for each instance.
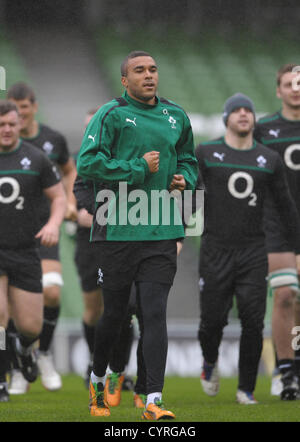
(7, 106)
(21, 91)
(132, 54)
(283, 70)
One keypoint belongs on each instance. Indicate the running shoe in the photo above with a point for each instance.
(139, 400)
(97, 404)
(289, 386)
(245, 398)
(156, 411)
(113, 387)
(210, 379)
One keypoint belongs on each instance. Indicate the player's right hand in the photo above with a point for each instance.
(84, 218)
(71, 212)
(152, 159)
(49, 235)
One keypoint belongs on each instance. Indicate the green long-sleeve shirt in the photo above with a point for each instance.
(111, 155)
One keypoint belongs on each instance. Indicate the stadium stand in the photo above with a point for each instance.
(200, 73)
(11, 62)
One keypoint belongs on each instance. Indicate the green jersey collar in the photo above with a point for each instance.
(138, 103)
(35, 136)
(286, 119)
(241, 150)
(14, 150)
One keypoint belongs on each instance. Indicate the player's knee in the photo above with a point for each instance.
(30, 327)
(252, 325)
(52, 296)
(91, 316)
(284, 297)
(3, 317)
(212, 326)
(52, 283)
(113, 317)
(52, 279)
(156, 316)
(285, 286)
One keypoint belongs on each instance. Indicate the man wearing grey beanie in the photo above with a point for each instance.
(237, 173)
(237, 101)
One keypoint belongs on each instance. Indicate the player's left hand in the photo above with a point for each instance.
(71, 212)
(178, 183)
(49, 235)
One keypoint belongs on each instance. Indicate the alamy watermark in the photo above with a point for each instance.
(2, 338)
(296, 79)
(2, 78)
(296, 340)
(159, 207)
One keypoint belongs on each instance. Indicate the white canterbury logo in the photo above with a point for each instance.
(261, 161)
(131, 121)
(25, 163)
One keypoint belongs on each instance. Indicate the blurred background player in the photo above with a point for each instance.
(281, 133)
(237, 172)
(26, 174)
(54, 145)
(86, 257)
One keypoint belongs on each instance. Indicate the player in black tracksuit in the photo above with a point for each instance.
(237, 172)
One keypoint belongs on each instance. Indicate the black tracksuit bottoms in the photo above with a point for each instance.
(224, 273)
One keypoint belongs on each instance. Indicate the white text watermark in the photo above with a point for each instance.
(2, 78)
(159, 207)
(296, 340)
(2, 338)
(296, 79)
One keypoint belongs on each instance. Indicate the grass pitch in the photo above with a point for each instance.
(183, 396)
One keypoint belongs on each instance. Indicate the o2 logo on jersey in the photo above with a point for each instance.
(288, 156)
(14, 194)
(248, 190)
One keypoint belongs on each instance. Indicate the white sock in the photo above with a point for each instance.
(96, 379)
(152, 396)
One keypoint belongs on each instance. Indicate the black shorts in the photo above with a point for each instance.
(222, 268)
(120, 263)
(23, 269)
(86, 260)
(49, 252)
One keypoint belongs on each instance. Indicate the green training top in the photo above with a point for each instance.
(136, 203)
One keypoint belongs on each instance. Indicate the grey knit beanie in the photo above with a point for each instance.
(237, 100)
